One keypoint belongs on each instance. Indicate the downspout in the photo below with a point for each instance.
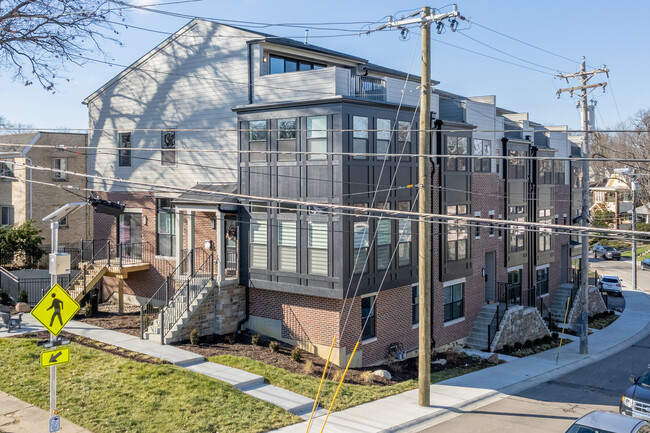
(250, 72)
(30, 187)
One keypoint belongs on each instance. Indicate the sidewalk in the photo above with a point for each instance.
(16, 416)
(452, 397)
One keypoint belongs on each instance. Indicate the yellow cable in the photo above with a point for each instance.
(566, 312)
(339, 387)
(322, 380)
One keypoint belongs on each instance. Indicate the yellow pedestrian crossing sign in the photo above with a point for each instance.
(55, 357)
(55, 309)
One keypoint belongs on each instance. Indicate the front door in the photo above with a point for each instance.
(230, 264)
(490, 278)
(131, 235)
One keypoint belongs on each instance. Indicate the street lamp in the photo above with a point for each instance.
(634, 187)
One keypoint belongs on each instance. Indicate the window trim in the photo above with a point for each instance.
(451, 284)
(362, 136)
(164, 152)
(283, 247)
(172, 235)
(124, 151)
(372, 315)
(58, 173)
(310, 230)
(316, 135)
(263, 244)
(253, 157)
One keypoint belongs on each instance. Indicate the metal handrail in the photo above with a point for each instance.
(97, 255)
(160, 298)
(183, 298)
(368, 87)
(494, 325)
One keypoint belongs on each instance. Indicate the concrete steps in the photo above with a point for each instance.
(478, 337)
(558, 306)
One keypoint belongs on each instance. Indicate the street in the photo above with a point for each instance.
(622, 269)
(554, 405)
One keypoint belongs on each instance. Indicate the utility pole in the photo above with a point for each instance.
(424, 179)
(635, 188)
(584, 77)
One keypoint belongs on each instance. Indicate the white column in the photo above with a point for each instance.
(179, 236)
(221, 246)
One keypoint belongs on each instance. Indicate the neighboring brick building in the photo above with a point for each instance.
(31, 194)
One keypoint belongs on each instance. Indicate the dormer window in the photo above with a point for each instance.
(280, 65)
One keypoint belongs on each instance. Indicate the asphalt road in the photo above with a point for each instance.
(622, 269)
(553, 406)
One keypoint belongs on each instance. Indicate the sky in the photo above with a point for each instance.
(555, 36)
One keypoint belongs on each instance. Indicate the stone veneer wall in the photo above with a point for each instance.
(596, 305)
(219, 312)
(519, 324)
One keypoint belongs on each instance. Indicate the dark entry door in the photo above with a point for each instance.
(490, 278)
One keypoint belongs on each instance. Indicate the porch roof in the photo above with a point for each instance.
(208, 194)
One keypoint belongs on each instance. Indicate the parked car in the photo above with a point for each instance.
(611, 284)
(606, 252)
(607, 422)
(636, 400)
(645, 264)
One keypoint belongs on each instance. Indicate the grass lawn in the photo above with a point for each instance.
(350, 394)
(641, 250)
(108, 393)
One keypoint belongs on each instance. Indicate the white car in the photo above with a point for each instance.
(608, 422)
(611, 284)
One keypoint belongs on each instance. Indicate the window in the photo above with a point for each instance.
(360, 245)
(280, 65)
(559, 169)
(63, 222)
(287, 251)
(545, 171)
(257, 140)
(368, 317)
(516, 168)
(287, 208)
(404, 242)
(7, 215)
(491, 226)
(168, 146)
(456, 235)
(317, 138)
(454, 304)
(415, 304)
(5, 170)
(544, 235)
(383, 138)
(542, 281)
(482, 148)
(456, 146)
(165, 227)
(258, 243)
(287, 139)
(317, 248)
(60, 164)
(404, 138)
(124, 154)
(360, 136)
(477, 226)
(258, 206)
(517, 232)
(576, 181)
(383, 243)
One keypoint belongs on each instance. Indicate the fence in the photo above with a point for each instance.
(368, 87)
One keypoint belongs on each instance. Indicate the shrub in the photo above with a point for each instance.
(547, 339)
(22, 296)
(337, 375)
(367, 377)
(451, 356)
(274, 346)
(518, 345)
(537, 341)
(88, 310)
(255, 339)
(296, 354)
(4, 298)
(555, 335)
(396, 367)
(528, 344)
(507, 348)
(309, 368)
(194, 337)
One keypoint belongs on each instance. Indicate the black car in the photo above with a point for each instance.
(606, 252)
(636, 400)
(645, 264)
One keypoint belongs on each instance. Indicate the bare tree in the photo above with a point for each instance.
(39, 37)
(7, 127)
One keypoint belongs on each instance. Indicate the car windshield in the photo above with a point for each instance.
(644, 380)
(609, 248)
(609, 280)
(577, 428)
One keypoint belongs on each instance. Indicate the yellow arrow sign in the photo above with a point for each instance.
(55, 309)
(55, 357)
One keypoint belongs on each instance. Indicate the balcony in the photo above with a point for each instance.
(371, 88)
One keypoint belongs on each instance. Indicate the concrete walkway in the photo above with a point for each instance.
(246, 382)
(453, 397)
(16, 416)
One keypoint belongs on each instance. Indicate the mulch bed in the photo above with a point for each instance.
(240, 345)
(124, 353)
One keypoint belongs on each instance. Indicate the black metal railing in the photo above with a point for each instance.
(494, 325)
(368, 87)
(134, 253)
(37, 287)
(508, 294)
(529, 297)
(545, 313)
(9, 283)
(180, 303)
